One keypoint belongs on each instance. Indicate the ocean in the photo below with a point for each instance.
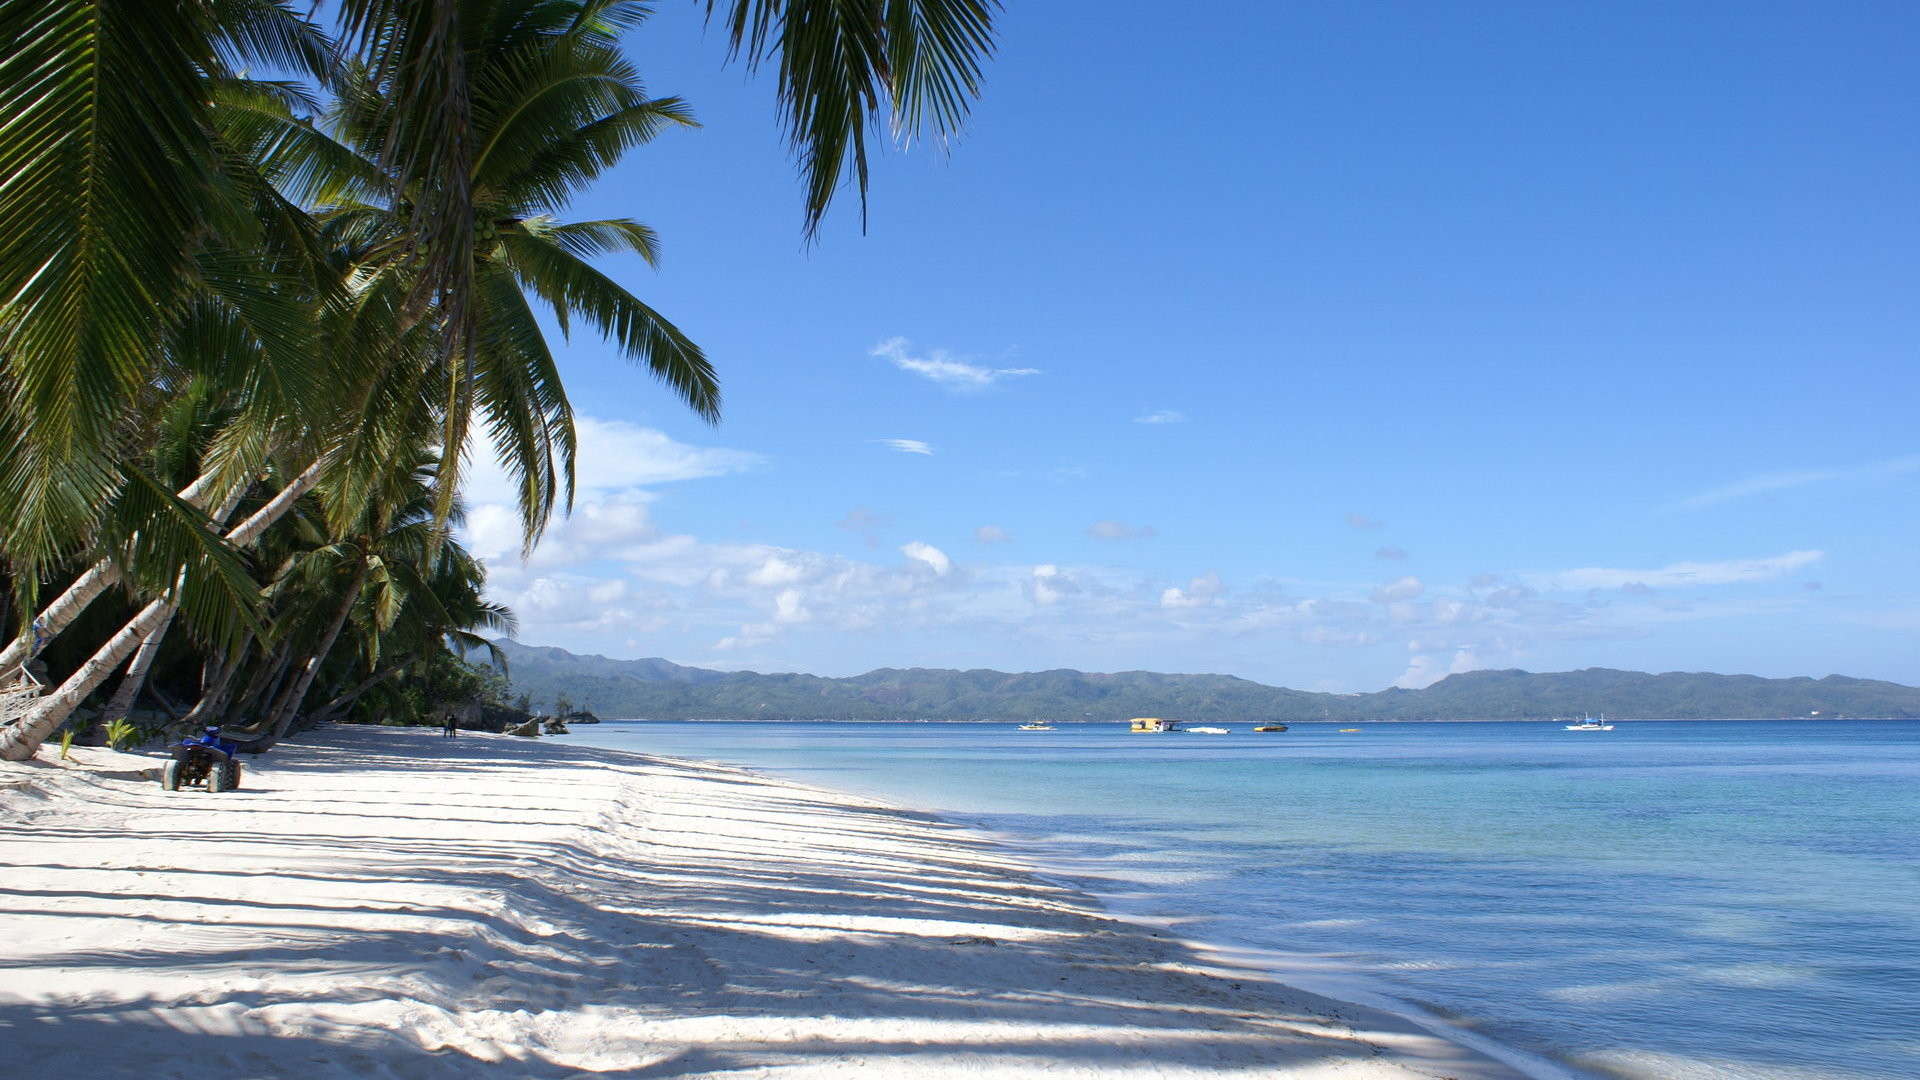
(1720, 900)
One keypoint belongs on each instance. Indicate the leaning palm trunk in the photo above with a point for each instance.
(136, 676)
(65, 608)
(19, 740)
(216, 685)
(100, 577)
(340, 704)
(289, 704)
(266, 682)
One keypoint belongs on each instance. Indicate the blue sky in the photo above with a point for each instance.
(1332, 345)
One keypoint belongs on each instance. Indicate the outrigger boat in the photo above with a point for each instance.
(1590, 724)
(1209, 731)
(1040, 725)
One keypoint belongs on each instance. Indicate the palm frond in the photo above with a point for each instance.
(167, 548)
(569, 285)
(528, 418)
(106, 181)
(271, 32)
(842, 65)
(585, 239)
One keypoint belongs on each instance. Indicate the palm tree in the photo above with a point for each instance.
(123, 223)
(550, 104)
(472, 121)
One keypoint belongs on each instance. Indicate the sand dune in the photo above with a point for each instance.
(381, 903)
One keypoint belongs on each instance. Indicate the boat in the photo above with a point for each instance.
(1271, 727)
(1210, 731)
(1349, 731)
(1151, 725)
(1040, 726)
(1590, 724)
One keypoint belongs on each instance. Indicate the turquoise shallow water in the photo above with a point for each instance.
(1726, 900)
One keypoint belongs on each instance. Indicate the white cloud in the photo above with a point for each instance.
(775, 571)
(943, 369)
(1766, 483)
(789, 607)
(1728, 572)
(1050, 586)
(1362, 521)
(613, 578)
(928, 554)
(1407, 588)
(1199, 592)
(1425, 669)
(1164, 416)
(614, 456)
(907, 446)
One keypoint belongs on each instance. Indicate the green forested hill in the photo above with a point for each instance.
(657, 689)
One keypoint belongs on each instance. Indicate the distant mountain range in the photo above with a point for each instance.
(660, 690)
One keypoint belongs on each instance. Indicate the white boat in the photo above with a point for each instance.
(1590, 724)
(1210, 730)
(1042, 726)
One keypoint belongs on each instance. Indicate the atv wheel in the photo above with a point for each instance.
(170, 776)
(217, 779)
(233, 776)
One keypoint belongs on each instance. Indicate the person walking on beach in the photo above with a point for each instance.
(451, 727)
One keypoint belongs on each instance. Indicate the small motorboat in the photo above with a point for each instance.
(1040, 726)
(1271, 727)
(1210, 731)
(1590, 724)
(1349, 731)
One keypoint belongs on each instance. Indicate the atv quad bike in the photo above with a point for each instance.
(207, 760)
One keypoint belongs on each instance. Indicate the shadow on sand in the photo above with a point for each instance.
(382, 905)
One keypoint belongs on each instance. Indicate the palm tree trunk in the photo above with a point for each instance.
(136, 675)
(334, 707)
(215, 686)
(56, 616)
(289, 703)
(20, 739)
(266, 682)
(99, 577)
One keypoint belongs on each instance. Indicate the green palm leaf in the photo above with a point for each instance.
(843, 64)
(575, 289)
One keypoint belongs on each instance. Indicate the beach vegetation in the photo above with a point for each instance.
(122, 733)
(252, 326)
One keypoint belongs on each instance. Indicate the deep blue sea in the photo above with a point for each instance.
(1736, 900)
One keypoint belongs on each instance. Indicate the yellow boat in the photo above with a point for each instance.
(1151, 725)
(1349, 730)
(1271, 727)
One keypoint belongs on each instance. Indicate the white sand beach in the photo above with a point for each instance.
(386, 903)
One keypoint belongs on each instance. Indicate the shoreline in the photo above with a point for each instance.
(1298, 973)
(383, 902)
(1302, 972)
